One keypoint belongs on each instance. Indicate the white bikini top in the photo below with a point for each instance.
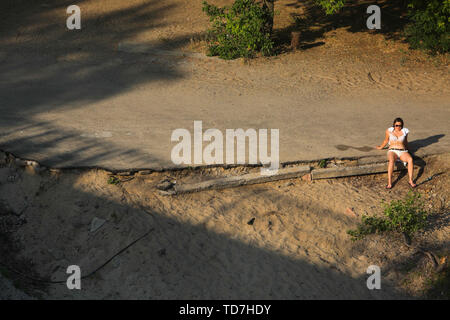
(393, 137)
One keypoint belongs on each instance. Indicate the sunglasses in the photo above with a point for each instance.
(398, 125)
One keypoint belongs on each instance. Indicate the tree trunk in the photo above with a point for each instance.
(295, 39)
(270, 5)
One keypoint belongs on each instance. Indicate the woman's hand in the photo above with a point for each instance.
(385, 142)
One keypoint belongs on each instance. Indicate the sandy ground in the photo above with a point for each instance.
(72, 99)
(204, 245)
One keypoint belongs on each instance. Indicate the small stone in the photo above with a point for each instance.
(33, 164)
(162, 252)
(351, 213)
(307, 177)
(96, 224)
(33, 167)
(165, 185)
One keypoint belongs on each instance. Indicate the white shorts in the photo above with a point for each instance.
(398, 152)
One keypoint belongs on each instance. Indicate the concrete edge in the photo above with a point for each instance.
(378, 165)
(303, 172)
(246, 179)
(338, 172)
(357, 160)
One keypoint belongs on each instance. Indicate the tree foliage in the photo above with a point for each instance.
(430, 25)
(245, 28)
(240, 30)
(331, 6)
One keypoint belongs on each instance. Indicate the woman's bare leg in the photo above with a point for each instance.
(391, 157)
(406, 157)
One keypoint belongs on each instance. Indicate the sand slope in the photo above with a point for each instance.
(201, 246)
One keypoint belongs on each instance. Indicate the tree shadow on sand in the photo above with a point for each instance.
(57, 147)
(177, 260)
(44, 68)
(63, 68)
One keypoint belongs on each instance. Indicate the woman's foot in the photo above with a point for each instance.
(412, 184)
(389, 186)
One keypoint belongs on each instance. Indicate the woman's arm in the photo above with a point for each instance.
(386, 140)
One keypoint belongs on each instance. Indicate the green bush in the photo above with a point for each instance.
(113, 180)
(240, 30)
(405, 216)
(429, 27)
(330, 6)
(322, 163)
